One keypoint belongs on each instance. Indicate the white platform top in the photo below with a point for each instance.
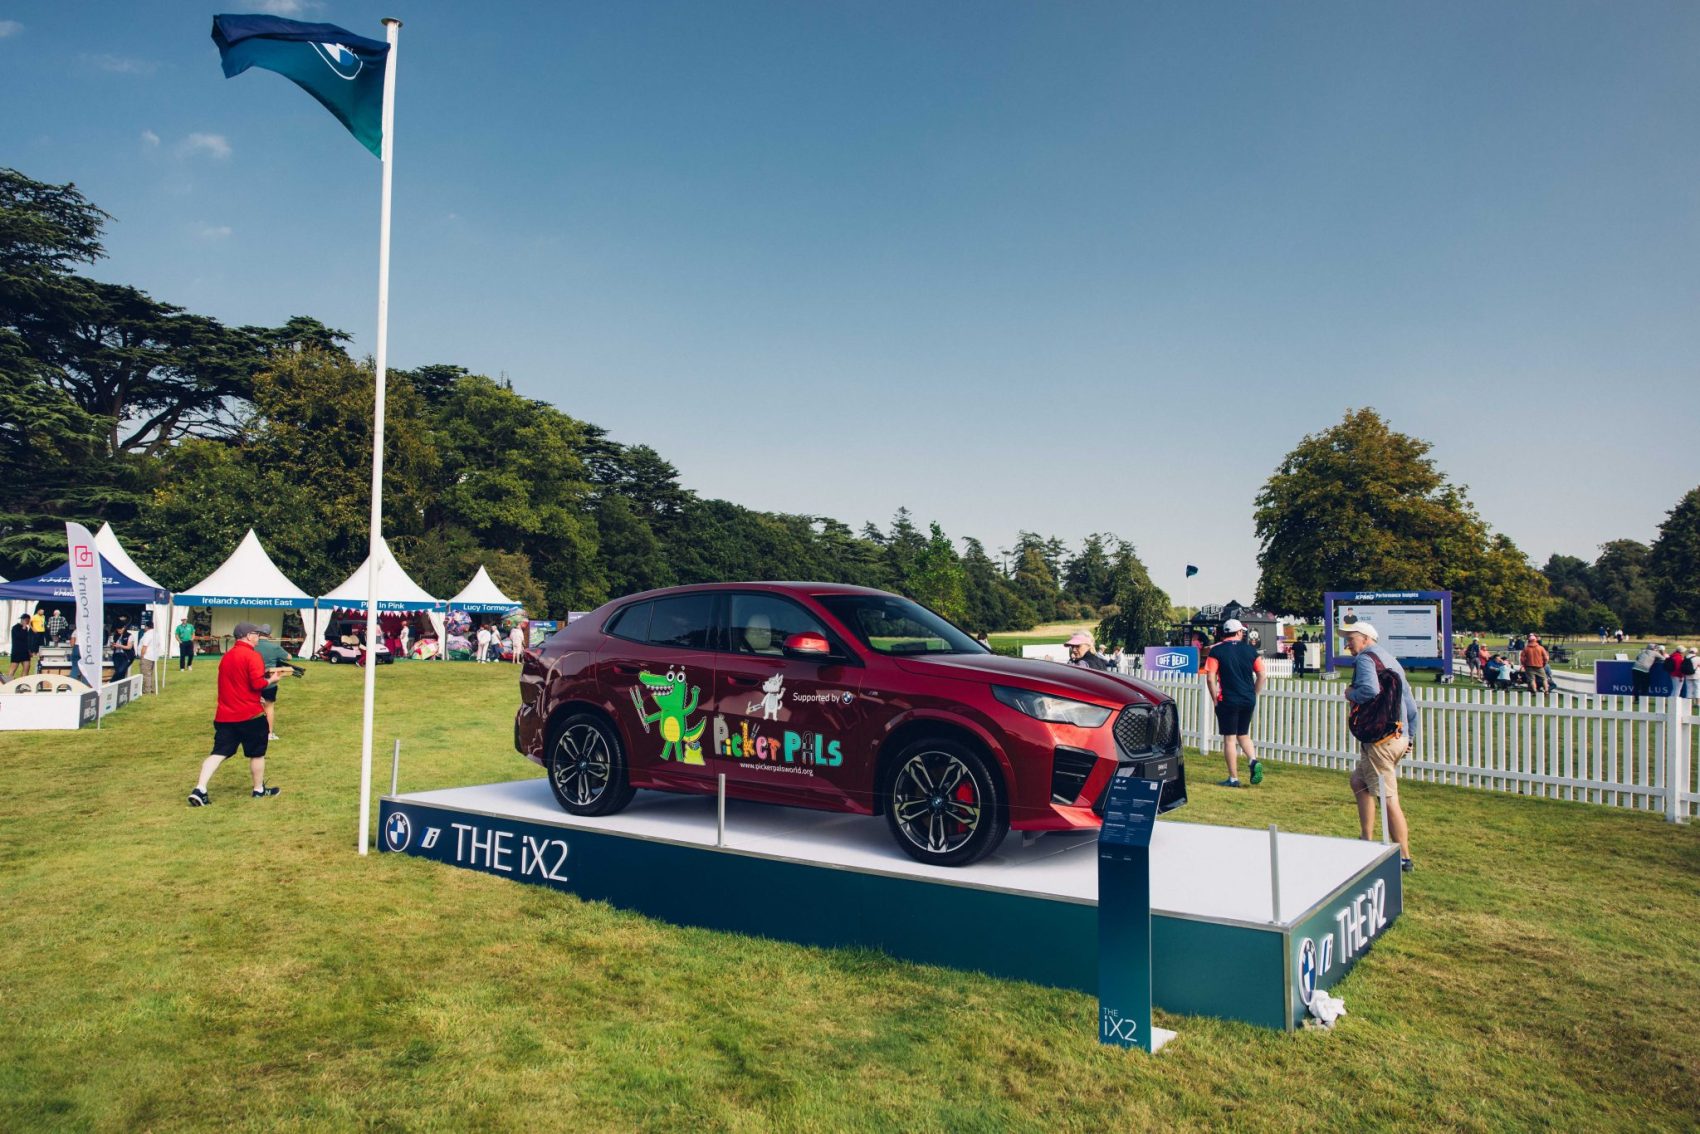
(1197, 871)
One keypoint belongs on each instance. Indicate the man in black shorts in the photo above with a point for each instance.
(240, 720)
(1233, 672)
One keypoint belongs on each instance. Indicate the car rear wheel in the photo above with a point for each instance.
(587, 766)
(945, 804)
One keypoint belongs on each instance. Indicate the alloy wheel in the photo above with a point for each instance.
(582, 767)
(936, 802)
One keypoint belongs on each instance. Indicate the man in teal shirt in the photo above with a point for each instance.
(185, 632)
(277, 662)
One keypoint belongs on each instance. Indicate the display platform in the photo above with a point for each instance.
(1027, 912)
(79, 708)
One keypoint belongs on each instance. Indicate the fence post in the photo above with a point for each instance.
(1677, 768)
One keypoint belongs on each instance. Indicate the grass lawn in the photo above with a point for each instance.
(239, 967)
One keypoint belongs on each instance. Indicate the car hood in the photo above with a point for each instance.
(1051, 678)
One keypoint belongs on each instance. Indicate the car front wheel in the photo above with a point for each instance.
(945, 804)
(587, 766)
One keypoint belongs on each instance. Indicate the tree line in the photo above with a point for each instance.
(1361, 506)
(184, 432)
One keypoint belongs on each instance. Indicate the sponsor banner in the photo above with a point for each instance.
(1619, 677)
(1327, 943)
(528, 852)
(1171, 659)
(88, 595)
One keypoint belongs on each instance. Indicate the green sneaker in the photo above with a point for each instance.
(1257, 771)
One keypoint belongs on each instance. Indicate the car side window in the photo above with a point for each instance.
(632, 622)
(759, 624)
(686, 621)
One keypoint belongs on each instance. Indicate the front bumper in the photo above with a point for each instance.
(1146, 738)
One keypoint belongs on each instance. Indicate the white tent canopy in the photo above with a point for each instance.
(482, 596)
(106, 541)
(396, 592)
(246, 587)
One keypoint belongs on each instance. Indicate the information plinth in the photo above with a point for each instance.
(1124, 915)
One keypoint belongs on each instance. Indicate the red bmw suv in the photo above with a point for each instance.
(839, 698)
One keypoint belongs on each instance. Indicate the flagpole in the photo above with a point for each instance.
(391, 29)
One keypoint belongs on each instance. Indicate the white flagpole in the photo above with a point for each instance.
(391, 28)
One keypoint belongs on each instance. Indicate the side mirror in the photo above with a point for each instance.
(808, 645)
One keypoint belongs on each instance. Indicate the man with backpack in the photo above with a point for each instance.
(1382, 715)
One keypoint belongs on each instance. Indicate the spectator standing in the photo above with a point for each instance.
(1535, 671)
(483, 640)
(1687, 683)
(516, 640)
(277, 664)
(239, 720)
(185, 632)
(1673, 666)
(1473, 657)
(145, 660)
(1377, 773)
(123, 649)
(38, 627)
(58, 627)
(1081, 653)
(23, 647)
(1233, 672)
(1641, 670)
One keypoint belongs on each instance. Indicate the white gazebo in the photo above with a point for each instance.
(106, 540)
(483, 596)
(247, 587)
(396, 592)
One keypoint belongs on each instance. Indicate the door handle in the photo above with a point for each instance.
(740, 679)
(626, 669)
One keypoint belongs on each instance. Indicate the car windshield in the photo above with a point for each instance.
(895, 625)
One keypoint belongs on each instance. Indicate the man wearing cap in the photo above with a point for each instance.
(240, 720)
(1535, 661)
(1233, 672)
(1081, 653)
(1378, 763)
(277, 664)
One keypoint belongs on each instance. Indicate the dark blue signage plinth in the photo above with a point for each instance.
(1124, 915)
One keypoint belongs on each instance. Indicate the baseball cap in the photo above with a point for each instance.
(1078, 638)
(1232, 626)
(1364, 628)
(243, 629)
(266, 629)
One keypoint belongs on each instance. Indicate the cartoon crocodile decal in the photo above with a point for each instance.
(682, 738)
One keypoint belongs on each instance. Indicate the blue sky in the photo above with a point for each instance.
(1066, 267)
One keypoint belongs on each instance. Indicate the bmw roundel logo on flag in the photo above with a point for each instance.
(397, 831)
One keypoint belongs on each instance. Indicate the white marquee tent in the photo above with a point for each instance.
(247, 587)
(483, 596)
(106, 540)
(396, 592)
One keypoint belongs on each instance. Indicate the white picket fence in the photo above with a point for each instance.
(1596, 749)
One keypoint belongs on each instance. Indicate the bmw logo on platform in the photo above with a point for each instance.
(1307, 970)
(849, 696)
(398, 832)
(1172, 660)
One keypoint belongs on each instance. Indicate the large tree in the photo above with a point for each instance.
(1673, 566)
(1621, 582)
(1141, 614)
(1361, 506)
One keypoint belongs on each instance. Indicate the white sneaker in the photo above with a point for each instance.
(271, 736)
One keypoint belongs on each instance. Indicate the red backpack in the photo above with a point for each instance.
(1384, 714)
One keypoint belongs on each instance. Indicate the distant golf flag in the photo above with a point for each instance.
(344, 71)
(1191, 570)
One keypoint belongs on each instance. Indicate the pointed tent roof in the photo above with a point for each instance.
(107, 541)
(396, 591)
(56, 584)
(247, 578)
(482, 596)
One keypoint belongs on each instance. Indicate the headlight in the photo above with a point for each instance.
(1057, 710)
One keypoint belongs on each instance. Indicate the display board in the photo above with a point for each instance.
(1414, 626)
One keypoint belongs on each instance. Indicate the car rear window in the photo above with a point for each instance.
(631, 622)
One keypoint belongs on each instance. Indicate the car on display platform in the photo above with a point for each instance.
(839, 698)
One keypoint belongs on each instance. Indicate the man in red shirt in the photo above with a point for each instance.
(240, 719)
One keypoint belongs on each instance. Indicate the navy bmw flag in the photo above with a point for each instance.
(344, 71)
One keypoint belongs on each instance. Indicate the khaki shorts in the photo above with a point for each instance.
(1380, 759)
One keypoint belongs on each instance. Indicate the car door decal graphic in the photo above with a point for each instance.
(681, 739)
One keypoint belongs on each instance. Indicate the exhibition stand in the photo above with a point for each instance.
(397, 593)
(77, 707)
(246, 587)
(1222, 943)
